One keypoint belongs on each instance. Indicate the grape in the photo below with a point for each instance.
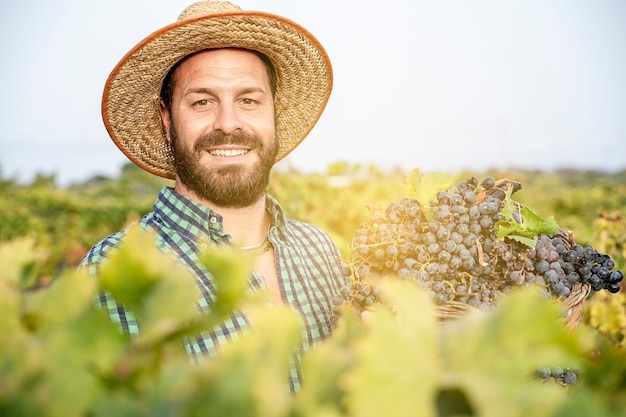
(569, 267)
(551, 276)
(557, 372)
(443, 234)
(488, 183)
(615, 277)
(470, 197)
(543, 253)
(544, 372)
(485, 222)
(553, 256)
(449, 245)
(462, 289)
(516, 277)
(444, 257)
(542, 266)
(565, 292)
(433, 248)
(603, 273)
(569, 378)
(443, 197)
(608, 263)
(456, 199)
(570, 256)
(429, 238)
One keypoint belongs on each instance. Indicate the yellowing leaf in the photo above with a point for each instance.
(424, 188)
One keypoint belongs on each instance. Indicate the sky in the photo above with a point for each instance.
(440, 85)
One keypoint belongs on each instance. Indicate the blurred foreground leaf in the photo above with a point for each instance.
(492, 355)
(231, 268)
(408, 332)
(252, 371)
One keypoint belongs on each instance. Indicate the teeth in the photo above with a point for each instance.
(228, 152)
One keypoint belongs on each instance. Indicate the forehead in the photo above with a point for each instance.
(223, 65)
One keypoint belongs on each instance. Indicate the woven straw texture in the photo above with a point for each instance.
(130, 105)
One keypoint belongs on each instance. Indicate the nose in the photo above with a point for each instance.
(227, 119)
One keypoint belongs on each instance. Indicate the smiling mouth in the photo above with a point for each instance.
(228, 152)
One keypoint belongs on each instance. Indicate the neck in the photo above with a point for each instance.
(246, 225)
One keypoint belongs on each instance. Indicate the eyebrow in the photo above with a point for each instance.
(206, 90)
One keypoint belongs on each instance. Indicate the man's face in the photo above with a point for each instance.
(222, 127)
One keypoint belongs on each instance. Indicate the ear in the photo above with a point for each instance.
(165, 118)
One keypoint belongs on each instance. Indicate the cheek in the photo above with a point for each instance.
(187, 122)
(268, 129)
(186, 130)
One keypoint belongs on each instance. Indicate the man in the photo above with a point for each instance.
(213, 101)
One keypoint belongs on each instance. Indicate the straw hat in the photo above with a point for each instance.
(130, 104)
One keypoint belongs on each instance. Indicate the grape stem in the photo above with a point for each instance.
(479, 247)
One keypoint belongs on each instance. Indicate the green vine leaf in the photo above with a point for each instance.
(424, 188)
(530, 224)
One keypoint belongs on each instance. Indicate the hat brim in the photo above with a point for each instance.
(130, 103)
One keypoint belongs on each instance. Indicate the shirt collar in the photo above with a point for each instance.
(276, 214)
(200, 222)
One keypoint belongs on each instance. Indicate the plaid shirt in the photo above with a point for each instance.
(309, 268)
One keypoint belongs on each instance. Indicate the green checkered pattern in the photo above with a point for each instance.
(309, 266)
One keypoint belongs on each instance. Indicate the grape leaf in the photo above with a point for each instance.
(531, 224)
(424, 188)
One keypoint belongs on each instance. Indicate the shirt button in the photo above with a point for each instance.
(203, 245)
(213, 219)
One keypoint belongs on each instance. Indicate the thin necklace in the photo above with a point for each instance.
(254, 247)
(261, 247)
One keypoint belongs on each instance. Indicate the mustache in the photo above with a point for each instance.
(217, 138)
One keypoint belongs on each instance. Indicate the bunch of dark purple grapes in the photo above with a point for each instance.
(455, 254)
(559, 267)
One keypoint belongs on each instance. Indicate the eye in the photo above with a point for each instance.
(248, 102)
(201, 103)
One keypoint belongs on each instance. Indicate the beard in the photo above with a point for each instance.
(231, 186)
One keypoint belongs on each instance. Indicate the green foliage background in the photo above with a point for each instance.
(60, 356)
(70, 220)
